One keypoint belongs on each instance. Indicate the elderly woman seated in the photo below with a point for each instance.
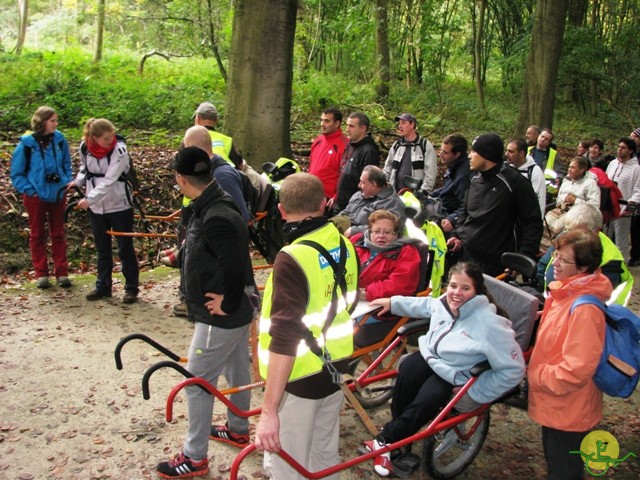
(389, 265)
(579, 186)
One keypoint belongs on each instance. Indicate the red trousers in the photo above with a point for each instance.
(41, 213)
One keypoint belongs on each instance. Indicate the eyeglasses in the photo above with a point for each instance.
(556, 256)
(383, 232)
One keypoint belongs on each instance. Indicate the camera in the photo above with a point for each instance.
(52, 178)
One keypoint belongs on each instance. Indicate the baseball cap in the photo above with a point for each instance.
(490, 146)
(406, 116)
(207, 110)
(192, 161)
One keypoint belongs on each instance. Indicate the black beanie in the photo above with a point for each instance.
(489, 146)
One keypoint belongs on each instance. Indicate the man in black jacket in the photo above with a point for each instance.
(361, 151)
(501, 211)
(215, 259)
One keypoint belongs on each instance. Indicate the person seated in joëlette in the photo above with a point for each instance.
(465, 330)
(389, 265)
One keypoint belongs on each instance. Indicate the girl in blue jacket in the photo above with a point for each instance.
(464, 331)
(40, 168)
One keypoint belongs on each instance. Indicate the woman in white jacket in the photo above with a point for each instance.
(578, 186)
(105, 160)
(464, 331)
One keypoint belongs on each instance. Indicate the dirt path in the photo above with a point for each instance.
(67, 413)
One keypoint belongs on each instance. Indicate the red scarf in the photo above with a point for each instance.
(99, 152)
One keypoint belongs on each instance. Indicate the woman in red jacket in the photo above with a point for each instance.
(562, 395)
(389, 265)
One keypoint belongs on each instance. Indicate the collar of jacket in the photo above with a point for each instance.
(492, 172)
(406, 143)
(210, 195)
(295, 230)
(366, 139)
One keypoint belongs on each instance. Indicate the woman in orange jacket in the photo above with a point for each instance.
(562, 395)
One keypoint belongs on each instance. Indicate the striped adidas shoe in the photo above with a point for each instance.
(221, 433)
(182, 466)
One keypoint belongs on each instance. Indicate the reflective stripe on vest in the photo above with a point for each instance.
(320, 282)
(221, 145)
(610, 252)
(551, 159)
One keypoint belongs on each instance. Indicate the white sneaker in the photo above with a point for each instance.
(382, 463)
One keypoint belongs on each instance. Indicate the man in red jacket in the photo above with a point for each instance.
(327, 150)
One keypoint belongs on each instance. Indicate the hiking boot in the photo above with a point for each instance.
(63, 282)
(130, 297)
(97, 294)
(180, 310)
(221, 433)
(42, 282)
(182, 466)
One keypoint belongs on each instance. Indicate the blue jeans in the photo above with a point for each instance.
(121, 222)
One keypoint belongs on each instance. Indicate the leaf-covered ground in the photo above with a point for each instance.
(66, 412)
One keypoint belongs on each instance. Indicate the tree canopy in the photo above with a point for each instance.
(407, 51)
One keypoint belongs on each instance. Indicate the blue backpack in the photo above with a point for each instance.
(617, 373)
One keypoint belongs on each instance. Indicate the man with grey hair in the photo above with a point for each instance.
(587, 217)
(361, 151)
(206, 115)
(375, 194)
(531, 135)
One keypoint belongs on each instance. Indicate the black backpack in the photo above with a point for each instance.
(130, 178)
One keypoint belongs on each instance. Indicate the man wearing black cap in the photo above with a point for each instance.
(411, 155)
(501, 212)
(215, 259)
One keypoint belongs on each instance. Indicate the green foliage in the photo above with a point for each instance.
(163, 98)
(162, 101)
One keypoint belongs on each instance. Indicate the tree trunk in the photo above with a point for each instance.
(97, 53)
(260, 79)
(577, 12)
(538, 91)
(477, 54)
(382, 49)
(24, 20)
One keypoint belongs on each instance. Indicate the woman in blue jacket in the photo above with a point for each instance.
(40, 167)
(464, 331)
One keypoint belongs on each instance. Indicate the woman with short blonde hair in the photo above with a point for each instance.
(105, 161)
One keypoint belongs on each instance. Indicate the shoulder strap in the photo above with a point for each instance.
(423, 145)
(338, 276)
(27, 158)
(588, 299)
(530, 171)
